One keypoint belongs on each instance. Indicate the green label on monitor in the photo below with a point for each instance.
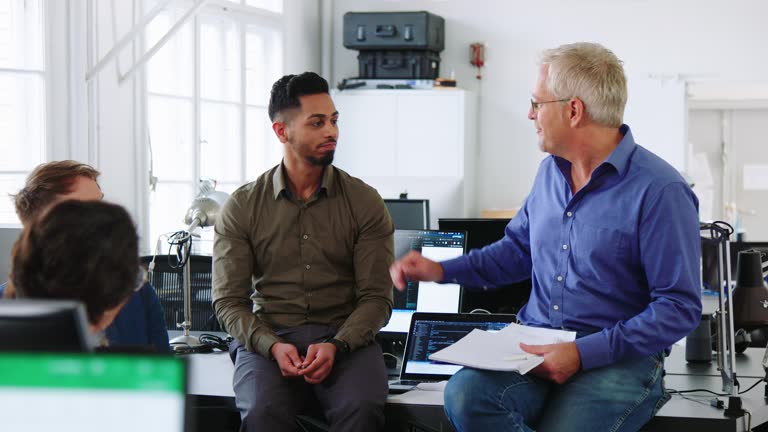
(92, 371)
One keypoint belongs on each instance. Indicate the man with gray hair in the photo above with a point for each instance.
(609, 235)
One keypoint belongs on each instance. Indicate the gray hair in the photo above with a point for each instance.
(592, 73)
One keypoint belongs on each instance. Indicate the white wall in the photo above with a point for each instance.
(701, 40)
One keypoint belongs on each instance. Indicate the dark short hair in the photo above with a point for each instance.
(78, 250)
(287, 90)
(46, 182)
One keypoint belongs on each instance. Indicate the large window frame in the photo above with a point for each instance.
(247, 20)
(12, 178)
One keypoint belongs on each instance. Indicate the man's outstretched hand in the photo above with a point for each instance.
(413, 266)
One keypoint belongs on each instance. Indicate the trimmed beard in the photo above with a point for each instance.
(323, 161)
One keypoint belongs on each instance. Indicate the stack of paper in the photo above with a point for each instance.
(500, 350)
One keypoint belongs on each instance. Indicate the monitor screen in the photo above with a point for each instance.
(480, 232)
(503, 299)
(44, 325)
(409, 214)
(92, 392)
(425, 296)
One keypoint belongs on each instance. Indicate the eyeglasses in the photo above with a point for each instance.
(141, 279)
(535, 105)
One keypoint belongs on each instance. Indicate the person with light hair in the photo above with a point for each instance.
(609, 235)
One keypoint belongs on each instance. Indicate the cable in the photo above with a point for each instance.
(720, 227)
(179, 239)
(215, 341)
(184, 348)
(386, 354)
(752, 386)
(680, 392)
(694, 400)
(208, 343)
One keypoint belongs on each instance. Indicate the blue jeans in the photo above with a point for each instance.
(620, 397)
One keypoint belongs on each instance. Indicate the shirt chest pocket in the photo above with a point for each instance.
(600, 244)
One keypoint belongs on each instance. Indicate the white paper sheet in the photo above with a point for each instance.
(501, 351)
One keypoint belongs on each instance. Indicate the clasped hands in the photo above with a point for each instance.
(314, 367)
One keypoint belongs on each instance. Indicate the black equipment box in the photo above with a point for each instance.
(399, 64)
(366, 31)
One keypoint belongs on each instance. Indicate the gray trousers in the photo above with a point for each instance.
(351, 398)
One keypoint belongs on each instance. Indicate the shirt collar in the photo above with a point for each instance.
(279, 184)
(619, 157)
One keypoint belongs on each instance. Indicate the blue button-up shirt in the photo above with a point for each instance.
(618, 260)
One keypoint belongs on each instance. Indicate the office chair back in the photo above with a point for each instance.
(169, 282)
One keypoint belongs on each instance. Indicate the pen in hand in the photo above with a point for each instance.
(516, 357)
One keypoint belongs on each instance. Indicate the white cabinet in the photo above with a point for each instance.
(419, 141)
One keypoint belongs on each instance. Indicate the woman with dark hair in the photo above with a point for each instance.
(79, 250)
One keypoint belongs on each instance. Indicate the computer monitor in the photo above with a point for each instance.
(409, 214)
(425, 296)
(480, 233)
(93, 392)
(44, 325)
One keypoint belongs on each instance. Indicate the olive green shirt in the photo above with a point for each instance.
(323, 261)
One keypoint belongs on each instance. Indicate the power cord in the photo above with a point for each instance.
(680, 392)
(208, 343)
(183, 348)
(752, 386)
(216, 342)
(386, 354)
(479, 310)
(178, 240)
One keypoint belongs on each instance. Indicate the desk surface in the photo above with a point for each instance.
(748, 364)
(211, 375)
(693, 411)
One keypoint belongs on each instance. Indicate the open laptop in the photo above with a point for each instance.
(431, 332)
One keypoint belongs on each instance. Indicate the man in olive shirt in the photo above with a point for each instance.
(315, 244)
